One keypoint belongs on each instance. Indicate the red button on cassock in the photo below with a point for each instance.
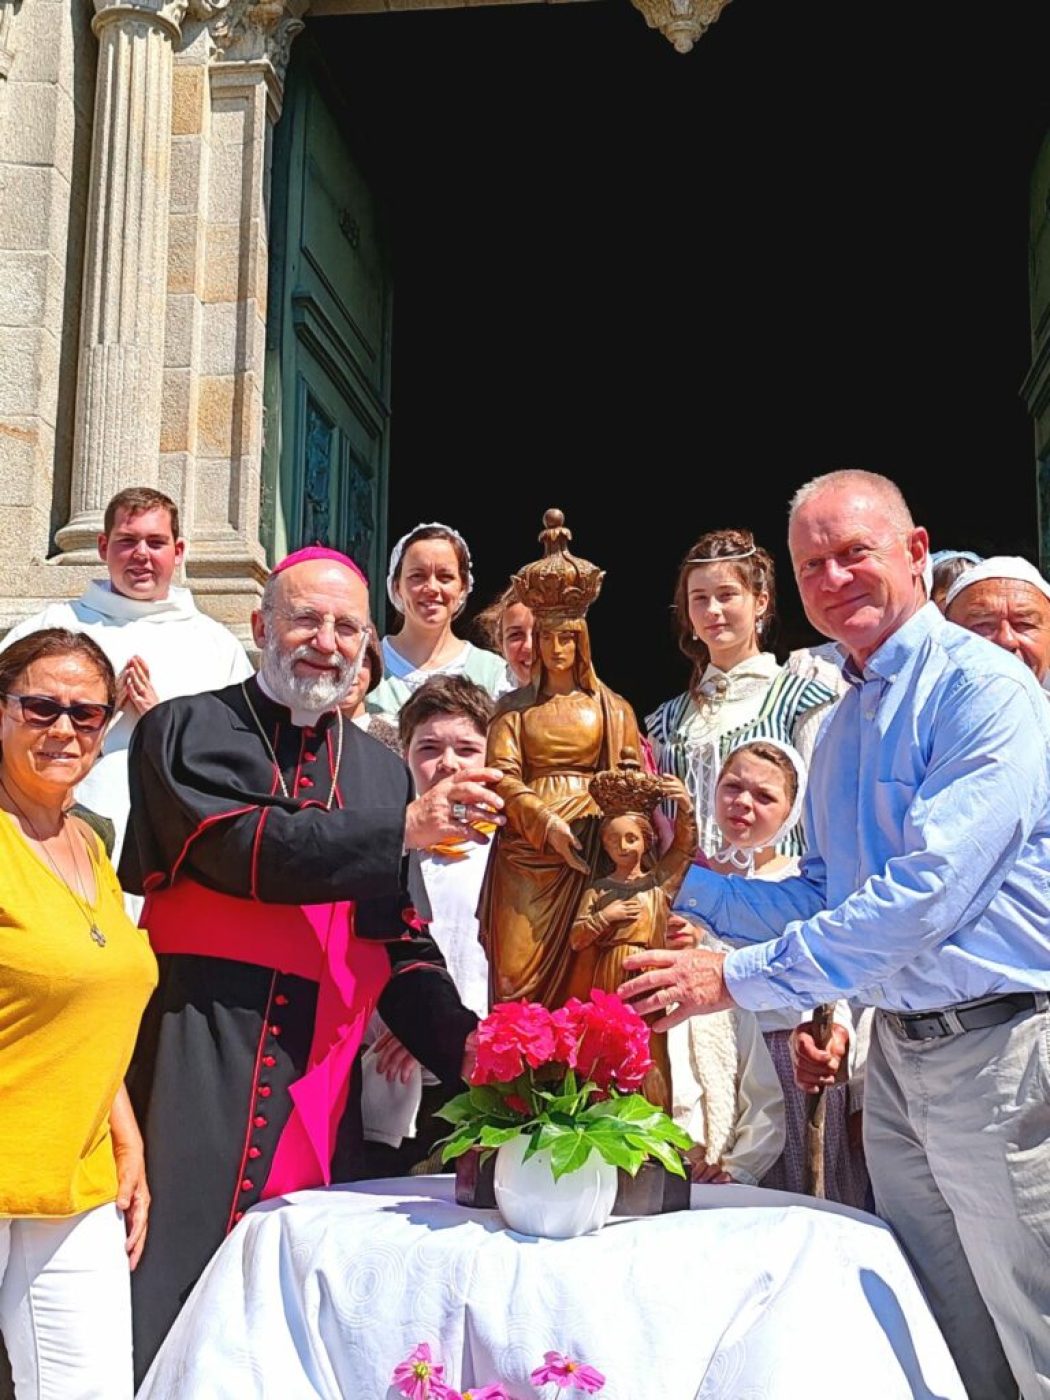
(259, 1121)
(269, 1061)
(306, 782)
(309, 757)
(280, 999)
(254, 1152)
(275, 1030)
(239, 1216)
(265, 1091)
(246, 1184)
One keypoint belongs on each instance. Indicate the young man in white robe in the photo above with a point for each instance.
(159, 643)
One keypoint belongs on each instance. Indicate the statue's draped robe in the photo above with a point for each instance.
(548, 750)
(280, 926)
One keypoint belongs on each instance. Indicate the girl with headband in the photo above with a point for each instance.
(428, 583)
(724, 609)
(758, 802)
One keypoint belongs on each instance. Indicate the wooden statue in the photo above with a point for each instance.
(625, 911)
(549, 739)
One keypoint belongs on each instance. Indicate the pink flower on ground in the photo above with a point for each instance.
(419, 1376)
(567, 1374)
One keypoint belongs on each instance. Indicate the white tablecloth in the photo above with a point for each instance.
(751, 1295)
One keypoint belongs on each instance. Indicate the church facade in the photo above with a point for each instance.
(195, 293)
(193, 290)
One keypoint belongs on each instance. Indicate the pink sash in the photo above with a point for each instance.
(314, 941)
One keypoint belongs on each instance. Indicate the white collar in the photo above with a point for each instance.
(762, 667)
(302, 719)
(101, 598)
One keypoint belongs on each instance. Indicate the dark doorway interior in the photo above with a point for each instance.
(662, 291)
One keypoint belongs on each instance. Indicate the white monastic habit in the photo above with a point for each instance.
(186, 651)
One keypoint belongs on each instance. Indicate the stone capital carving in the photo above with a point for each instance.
(166, 15)
(255, 30)
(681, 22)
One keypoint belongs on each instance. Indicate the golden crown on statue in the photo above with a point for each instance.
(559, 587)
(626, 788)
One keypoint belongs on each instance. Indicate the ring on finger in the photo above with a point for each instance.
(459, 812)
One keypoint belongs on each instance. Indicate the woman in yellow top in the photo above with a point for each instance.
(75, 975)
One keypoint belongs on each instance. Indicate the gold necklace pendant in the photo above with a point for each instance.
(97, 935)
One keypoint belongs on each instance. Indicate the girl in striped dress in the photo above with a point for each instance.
(724, 609)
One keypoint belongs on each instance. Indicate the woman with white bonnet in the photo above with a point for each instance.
(428, 583)
(759, 797)
(1007, 600)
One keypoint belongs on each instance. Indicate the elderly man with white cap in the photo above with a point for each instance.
(1007, 600)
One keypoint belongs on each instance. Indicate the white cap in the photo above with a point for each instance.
(399, 549)
(744, 860)
(1010, 566)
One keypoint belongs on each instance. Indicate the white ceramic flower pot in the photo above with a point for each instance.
(533, 1203)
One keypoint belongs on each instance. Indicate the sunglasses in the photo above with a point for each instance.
(41, 712)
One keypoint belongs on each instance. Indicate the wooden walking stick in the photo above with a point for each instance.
(816, 1112)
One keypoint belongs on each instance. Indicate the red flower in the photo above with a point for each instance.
(568, 1028)
(613, 1047)
(514, 1034)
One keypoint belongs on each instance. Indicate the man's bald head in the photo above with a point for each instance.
(869, 486)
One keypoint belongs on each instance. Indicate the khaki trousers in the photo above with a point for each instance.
(957, 1136)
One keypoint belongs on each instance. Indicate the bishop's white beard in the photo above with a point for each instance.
(313, 694)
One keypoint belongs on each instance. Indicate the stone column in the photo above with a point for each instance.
(120, 371)
(212, 425)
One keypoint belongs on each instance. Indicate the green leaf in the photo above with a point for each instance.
(569, 1153)
(547, 1136)
(496, 1137)
(486, 1099)
(668, 1156)
(457, 1110)
(616, 1152)
(459, 1142)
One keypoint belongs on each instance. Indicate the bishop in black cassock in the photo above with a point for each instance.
(270, 847)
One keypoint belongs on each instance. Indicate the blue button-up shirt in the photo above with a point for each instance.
(927, 879)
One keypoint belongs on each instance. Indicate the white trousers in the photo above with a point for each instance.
(65, 1306)
(957, 1136)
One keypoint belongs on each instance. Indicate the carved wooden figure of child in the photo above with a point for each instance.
(626, 909)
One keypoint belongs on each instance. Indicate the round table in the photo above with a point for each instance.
(750, 1295)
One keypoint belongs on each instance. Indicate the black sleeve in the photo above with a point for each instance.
(421, 1006)
(192, 809)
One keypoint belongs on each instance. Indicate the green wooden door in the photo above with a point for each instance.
(1037, 384)
(327, 391)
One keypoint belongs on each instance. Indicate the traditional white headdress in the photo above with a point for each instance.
(1010, 566)
(399, 549)
(745, 860)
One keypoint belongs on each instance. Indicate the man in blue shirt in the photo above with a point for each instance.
(925, 892)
